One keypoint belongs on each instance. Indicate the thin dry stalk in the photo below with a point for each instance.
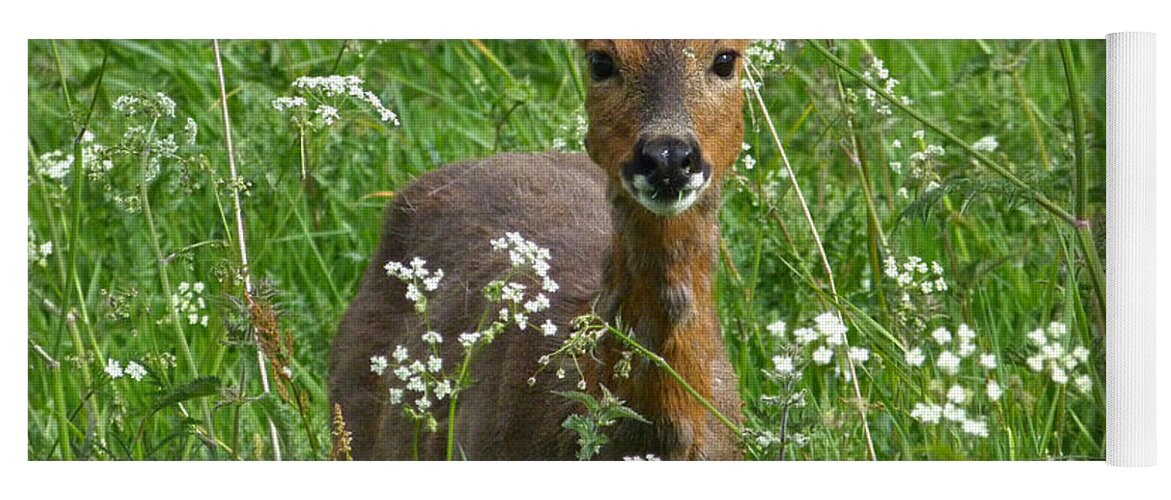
(219, 67)
(829, 273)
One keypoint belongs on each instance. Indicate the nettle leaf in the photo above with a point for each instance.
(585, 399)
(617, 412)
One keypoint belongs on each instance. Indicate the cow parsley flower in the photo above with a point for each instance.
(776, 328)
(378, 364)
(993, 390)
(135, 371)
(988, 361)
(948, 363)
(114, 368)
(822, 355)
(986, 144)
(957, 394)
(400, 354)
(915, 357)
(783, 364)
(548, 329)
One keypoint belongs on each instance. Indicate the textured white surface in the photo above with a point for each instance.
(1130, 256)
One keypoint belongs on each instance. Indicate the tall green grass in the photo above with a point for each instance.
(1011, 265)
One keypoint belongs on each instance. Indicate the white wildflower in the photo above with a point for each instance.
(135, 371)
(976, 428)
(915, 357)
(948, 363)
(378, 364)
(1038, 337)
(941, 335)
(783, 364)
(986, 144)
(1059, 375)
(416, 384)
(1083, 383)
(928, 414)
(1057, 329)
(1081, 354)
(469, 339)
(190, 131)
(954, 413)
(548, 329)
(434, 364)
(957, 394)
(283, 103)
(805, 335)
(328, 114)
(1036, 363)
(776, 328)
(113, 368)
(442, 389)
(822, 355)
(993, 390)
(400, 354)
(988, 361)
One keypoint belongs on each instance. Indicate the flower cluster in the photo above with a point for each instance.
(189, 303)
(956, 359)
(572, 136)
(761, 53)
(986, 144)
(526, 259)
(1055, 356)
(425, 380)
(819, 344)
(583, 339)
(141, 104)
(38, 251)
(423, 376)
(749, 161)
(877, 72)
(914, 275)
(418, 279)
(56, 165)
(922, 162)
(133, 370)
(918, 286)
(330, 93)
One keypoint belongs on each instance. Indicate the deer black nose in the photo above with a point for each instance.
(667, 155)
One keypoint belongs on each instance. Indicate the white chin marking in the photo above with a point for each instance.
(641, 189)
(668, 207)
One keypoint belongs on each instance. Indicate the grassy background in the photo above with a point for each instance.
(1010, 265)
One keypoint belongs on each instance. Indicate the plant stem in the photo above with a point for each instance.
(877, 238)
(161, 262)
(821, 252)
(1081, 184)
(1036, 194)
(219, 66)
(662, 363)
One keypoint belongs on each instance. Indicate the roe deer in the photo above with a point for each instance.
(632, 229)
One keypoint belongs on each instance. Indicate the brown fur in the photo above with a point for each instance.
(653, 273)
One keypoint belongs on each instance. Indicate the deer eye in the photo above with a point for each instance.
(724, 64)
(601, 66)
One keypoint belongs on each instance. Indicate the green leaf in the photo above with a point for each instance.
(200, 387)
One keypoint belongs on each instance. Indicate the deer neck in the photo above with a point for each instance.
(658, 288)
